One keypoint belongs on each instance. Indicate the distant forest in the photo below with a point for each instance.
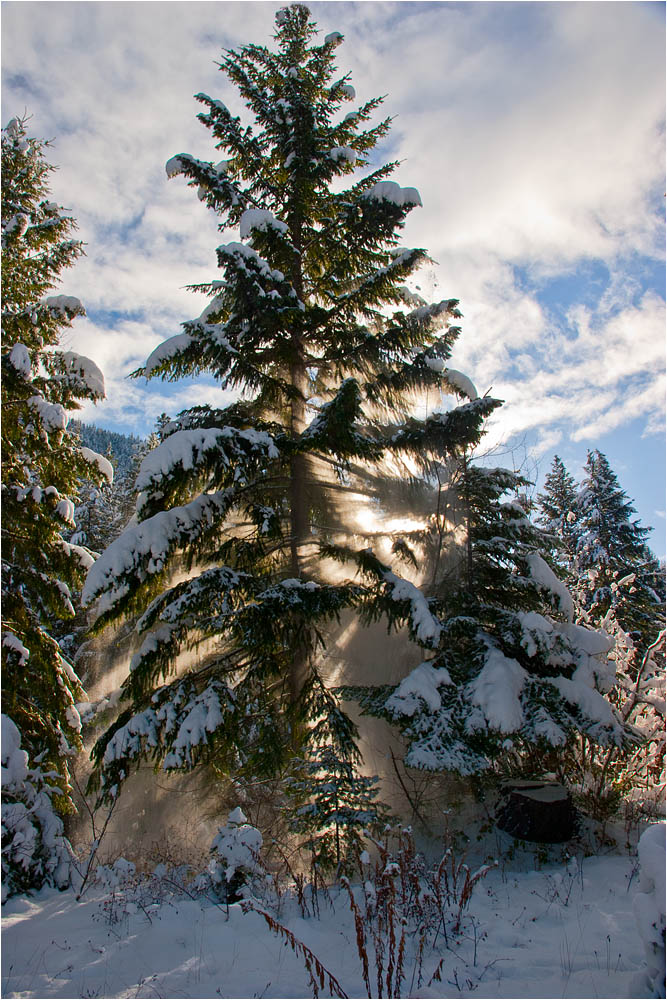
(123, 447)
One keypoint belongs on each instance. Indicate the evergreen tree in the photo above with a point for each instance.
(611, 545)
(618, 587)
(511, 678)
(558, 507)
(333, 804)
(312, 323)
(41, 463)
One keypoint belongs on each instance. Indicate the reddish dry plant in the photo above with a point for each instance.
(404, 897)
(318, 975)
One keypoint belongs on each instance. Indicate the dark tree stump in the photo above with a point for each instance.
(541, 811)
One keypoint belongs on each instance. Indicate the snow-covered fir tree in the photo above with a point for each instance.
(310, 319)
(41, 463)
(558, 509)
(509, 676)
(613, 565)
(618, 587)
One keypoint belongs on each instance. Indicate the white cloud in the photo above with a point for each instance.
(533, 132)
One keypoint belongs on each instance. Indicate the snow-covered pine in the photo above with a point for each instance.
(511, 677)
(618, 586)
(310, 323)
(42, 464)
(613, 566)
(558, 512)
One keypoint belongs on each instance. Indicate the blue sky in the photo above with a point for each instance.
(535, 134)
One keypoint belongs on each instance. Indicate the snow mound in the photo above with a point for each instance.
(67, 305)
(167, 349)
(86, 370)
(649, 905)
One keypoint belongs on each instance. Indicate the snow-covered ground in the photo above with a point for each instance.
(566, 930)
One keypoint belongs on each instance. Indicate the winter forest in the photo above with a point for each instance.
(314, 689)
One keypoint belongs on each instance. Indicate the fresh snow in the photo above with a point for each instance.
(103, 464)
(419, 688)
(86, 370)
(497, 691)
(65, 304)
(343, 153)
(10, 641)
(53, 416)
(393, 192)
(425, 626)
(565, 931)
(461, 383)
(546, 579)
(167, 349)
(260, 219)
(19, 358)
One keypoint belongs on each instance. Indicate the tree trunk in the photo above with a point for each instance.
(299, 525)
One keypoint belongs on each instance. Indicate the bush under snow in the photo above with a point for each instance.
(649, 906)
(34, 850)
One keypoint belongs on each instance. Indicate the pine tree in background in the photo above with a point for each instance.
(512, 678)
(41, 463)
(611, 546)
(312, 323)
(619, 587)
(558, 508)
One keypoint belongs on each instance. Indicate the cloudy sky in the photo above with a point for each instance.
(535, 134)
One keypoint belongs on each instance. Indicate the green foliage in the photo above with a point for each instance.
(333, 805)
(311, 320)
(42, 464)
(509, 678)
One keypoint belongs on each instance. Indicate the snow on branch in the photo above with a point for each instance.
(102, 464)
(166, 350)
(260, 219)
(419, 688)
(53, 416)
(144, 548)
(83, 371)
(546, 580)
(66, 305)
(404, 197)
(424, 625)
(19, 358)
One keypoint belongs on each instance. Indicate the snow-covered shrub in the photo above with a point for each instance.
(34, 850)
(116, 875)
(649, 907)
(235, 857)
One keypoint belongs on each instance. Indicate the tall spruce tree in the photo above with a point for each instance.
(311, 322)
(558, 511)
(614, 568)
(41, 463)
(512, 678)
